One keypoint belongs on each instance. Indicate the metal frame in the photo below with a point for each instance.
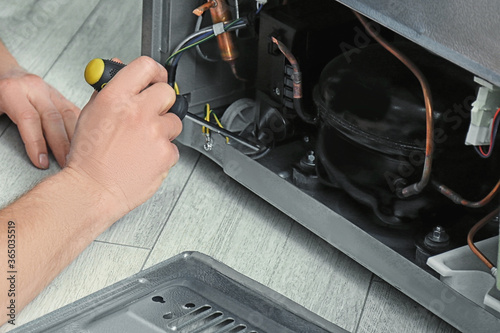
(127, 306)
(337, 222)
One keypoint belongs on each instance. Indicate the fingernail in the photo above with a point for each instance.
(44, 161)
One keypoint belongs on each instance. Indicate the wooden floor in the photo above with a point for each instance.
(197, 208)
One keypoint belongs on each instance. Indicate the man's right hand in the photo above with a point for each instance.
(122, 141)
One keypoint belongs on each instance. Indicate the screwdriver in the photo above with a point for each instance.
(100, 71)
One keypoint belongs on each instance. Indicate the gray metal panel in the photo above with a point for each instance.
(465, 32)
(345, 235)
(187, 293)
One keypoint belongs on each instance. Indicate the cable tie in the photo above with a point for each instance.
(219, 28)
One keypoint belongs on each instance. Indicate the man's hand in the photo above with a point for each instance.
(122, 143)
(120, 153)
(41, 113)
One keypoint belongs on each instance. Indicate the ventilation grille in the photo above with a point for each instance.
(201, 319)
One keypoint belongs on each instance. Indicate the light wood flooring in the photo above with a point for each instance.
(197, 208)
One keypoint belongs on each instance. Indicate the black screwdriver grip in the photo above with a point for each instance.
(110, 69)
(180, 107)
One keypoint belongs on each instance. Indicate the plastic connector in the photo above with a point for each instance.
(482, 113)
(261, 2)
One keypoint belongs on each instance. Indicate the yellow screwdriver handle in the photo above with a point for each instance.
(100, 71)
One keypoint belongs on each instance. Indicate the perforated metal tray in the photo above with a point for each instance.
(190, 292)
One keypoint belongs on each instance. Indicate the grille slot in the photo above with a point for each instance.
(205, 319)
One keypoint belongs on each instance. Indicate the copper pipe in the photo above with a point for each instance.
(429, 137)
(297, 81)
(203, 8)
(456, 198)
(472, 233)
(221, 13)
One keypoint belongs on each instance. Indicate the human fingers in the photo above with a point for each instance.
(68, 111)
(137, 76)
(172, 157)
(172, 125)
(53, 126)
(159, 97)
(29, 124)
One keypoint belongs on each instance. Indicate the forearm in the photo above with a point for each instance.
(53, 223)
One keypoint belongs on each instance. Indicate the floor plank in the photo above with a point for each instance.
(17, 174)
(36, 32)
(388, 310)
(218, 217)
(107, 33)
(90, 272)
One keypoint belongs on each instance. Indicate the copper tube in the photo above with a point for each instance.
(429, 137)
(221, 13)
(472, 233)
(297, 83)
(456, 198)
(297, 80)
(203, 8)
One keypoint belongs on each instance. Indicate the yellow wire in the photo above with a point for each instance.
(176, 89)
(207, 118)
(220, 125)
(208, 111)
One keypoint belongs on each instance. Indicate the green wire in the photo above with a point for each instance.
(189, 46)
(200, 41)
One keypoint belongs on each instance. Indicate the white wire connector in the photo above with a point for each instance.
(261, 2)
(494, 271)
(483, 110)
(218, 28)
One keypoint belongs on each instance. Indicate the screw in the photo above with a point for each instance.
(306, 139)
(310, 156)
(209, 143)
(277, 91)
(438, 235)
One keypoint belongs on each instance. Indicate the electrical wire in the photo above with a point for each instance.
(202, 36)
(195, 39)
(415, 188)
(208, 112)
(470, 240)
(207, 118)
(494, 130)
(198, 49)
(237, 8)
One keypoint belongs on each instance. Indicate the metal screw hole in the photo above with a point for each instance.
(158, 299)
